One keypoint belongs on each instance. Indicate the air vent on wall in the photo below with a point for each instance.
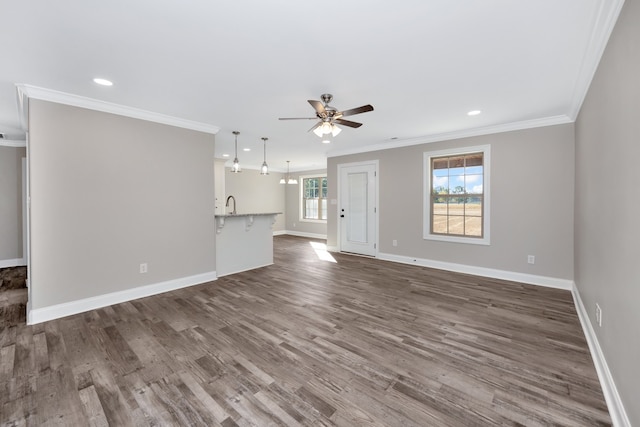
(1, 135)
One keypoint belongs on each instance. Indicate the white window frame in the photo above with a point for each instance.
(301, 217)
(486, 189)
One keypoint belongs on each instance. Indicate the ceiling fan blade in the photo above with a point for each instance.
(318, 106)
(363, 109)
(298, 118)
(348, 123)
(315, 126)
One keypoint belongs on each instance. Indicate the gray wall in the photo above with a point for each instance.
(255, 193)
(532, 173)
(11, 203)
(607, 206)
(110, 192)
(293, 224)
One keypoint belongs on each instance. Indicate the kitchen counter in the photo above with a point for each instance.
(244, 241)
(247, 214)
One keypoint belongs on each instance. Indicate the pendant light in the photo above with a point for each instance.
(236, 164)
(287, 179)
(264, 170)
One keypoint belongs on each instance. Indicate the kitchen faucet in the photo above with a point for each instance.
(233, 212)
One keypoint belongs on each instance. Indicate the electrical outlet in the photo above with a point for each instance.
(294, 225)
(531, 259)
(598, 315)
(394, 243)
(143, 267)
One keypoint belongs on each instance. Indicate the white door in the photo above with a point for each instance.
(357, 208)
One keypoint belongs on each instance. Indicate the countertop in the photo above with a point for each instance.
(246, 214)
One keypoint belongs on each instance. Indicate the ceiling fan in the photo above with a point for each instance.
(329, 116)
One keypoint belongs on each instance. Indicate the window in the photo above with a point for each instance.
(314, 198)
(457, 195)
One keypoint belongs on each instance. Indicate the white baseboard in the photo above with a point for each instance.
(244, 269)
(333, 249)
(74, 307)
(305, 234)
(617, 412)
(550, 282)
(16, 262)
(279, 232)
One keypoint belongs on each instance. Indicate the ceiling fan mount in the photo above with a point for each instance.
(330, 116)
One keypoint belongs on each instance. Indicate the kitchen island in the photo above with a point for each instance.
(244, 241)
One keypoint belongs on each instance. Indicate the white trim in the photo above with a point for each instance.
(305, 234)
(488, 130)
(486, 195)
(605, 21)
(549, 282)
(79, 306)
(280, 232)
(376, 164)
(245, 269)
(23, 203)
(617, 412)
(301, 218)
(27, 203)
(333, 248)
(15, 262)
(23, 107)
(16, 143)
(27, 91)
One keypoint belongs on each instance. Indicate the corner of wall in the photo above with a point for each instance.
(612, 397)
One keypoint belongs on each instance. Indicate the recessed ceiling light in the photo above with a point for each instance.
(474, 112)
(246, 149)
(225, 155)
(103, 82)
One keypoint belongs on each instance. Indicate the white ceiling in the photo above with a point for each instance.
(422, 64)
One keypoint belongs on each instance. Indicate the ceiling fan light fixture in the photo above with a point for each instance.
(328, 115)
(326, 127)
(326, 139)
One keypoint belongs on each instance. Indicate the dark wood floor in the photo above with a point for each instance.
(358, 342)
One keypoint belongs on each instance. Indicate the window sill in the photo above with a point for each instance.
(317, 221)
(457, 239)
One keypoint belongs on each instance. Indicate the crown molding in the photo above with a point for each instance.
(604, 22)
(26, 92)
(13, 143)
(488, 130)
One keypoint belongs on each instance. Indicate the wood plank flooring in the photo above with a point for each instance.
(357, 342)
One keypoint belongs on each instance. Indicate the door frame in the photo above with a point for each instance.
(375, 223)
